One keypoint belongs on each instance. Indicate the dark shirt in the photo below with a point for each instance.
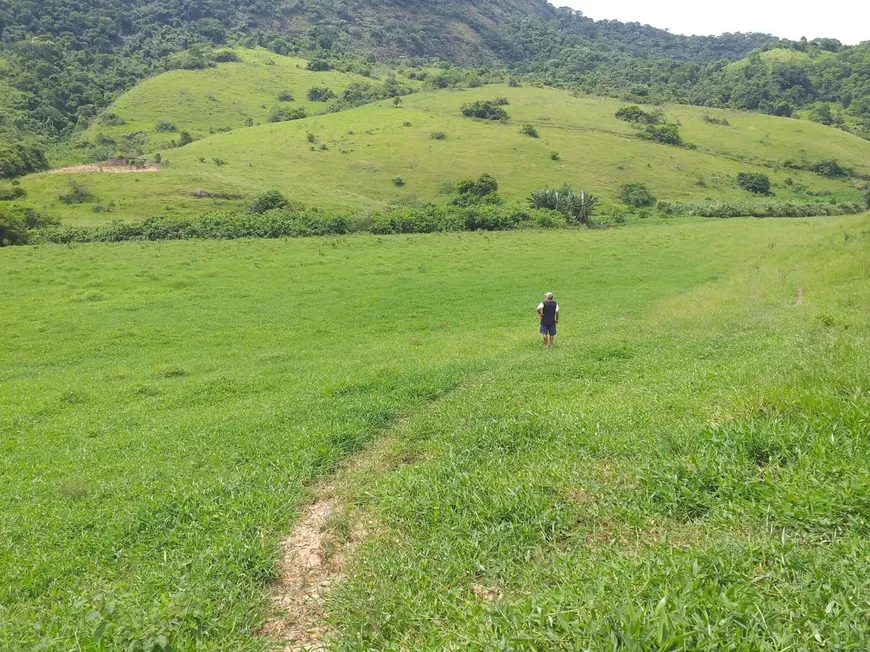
(549, 309)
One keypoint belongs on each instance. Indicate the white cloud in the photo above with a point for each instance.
(846, 20)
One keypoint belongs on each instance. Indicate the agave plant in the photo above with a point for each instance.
(576, 205)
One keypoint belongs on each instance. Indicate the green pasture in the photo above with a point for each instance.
(686, 470)
(203, 102)
(350, 160)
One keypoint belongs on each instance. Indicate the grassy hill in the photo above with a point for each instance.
(203, 102)
(686, 470)
(349, 160)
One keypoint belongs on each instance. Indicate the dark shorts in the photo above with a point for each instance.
(548, 330)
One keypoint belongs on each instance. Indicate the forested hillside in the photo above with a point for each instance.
(63, 61)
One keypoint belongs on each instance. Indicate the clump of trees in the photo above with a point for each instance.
(637, 116)
(483, 189)
(667, 134)
(285, 115)
(485, 110)
(18, 159)
(267, 201)
(320, 94)
(637, 195)
(576, 206)
(754, 182)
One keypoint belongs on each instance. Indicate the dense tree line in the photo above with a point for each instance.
(63, 61)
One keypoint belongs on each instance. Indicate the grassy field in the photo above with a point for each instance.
(350, 160)
(686, 470)
(202, 102)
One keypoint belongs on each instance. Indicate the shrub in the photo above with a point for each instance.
(706, 117)
(513, 82)
(554, 156)
(577, 206)
(165, 127)
(269, 200)
(319, 65)
(484, 110)
(439, 135)
(529, 130)
(320, 94)
(12, 193)
(285, 96)
(17, 224)
(756, 208)
(398, 181)
(285, 115)
(754, 182)
(667, 134)
(226, 56)
(500, 101)
(637, 115)
(17, 159)
(637, 195)
(830, 168)
(249, 122)
(867, 199)
(397, 102)
(112, 119)
(484, 185)
(76, 193)
(184, 138)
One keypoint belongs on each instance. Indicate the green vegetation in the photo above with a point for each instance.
(637, 195)
(577, 206)
(754, 182)
(485, 110)
(370, 145)
(529, 130)
(691, 473)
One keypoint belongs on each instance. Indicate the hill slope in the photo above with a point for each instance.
(350, 159)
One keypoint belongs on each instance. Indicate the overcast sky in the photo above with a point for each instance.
(847, 20)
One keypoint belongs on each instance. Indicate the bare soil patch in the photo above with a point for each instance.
(101, 167)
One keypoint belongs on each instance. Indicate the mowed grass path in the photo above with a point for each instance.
(688, 467)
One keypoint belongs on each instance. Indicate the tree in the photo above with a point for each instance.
(637, 195)
(754, 182)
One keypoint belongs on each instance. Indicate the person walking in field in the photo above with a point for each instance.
(548, 312)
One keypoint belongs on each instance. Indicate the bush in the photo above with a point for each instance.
(76, 193)
(249, 122)
(184, 138)
(17, 224)
(529, 130)
(112, 119)
(285, 96)
(513, 82)
(226, 56)
(398, 181)
(577, 206)
(165, 127)
(17, 159)
(706, 117)
(637, 195)
(667, 134)
(754, 182)
(286, 115)
(269, 200)
(484, 185)
(320, 94)
(484, 110)
(500, 101)
(554, 156)
(756, 208)
(830, 168)
(867, 199)
(319, 65)
(12, 193)
(637, 115)
(439, 135)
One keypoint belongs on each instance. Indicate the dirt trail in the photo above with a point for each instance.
(324, 538)
(97, 167)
